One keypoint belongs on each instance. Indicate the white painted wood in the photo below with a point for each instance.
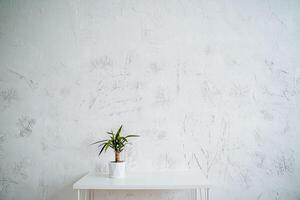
(208, 195)
(144, 181)
(78, 194)
(198, 194)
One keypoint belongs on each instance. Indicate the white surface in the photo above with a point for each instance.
(144, 181)
(117, 170)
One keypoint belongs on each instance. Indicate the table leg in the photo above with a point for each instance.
(78, 194)
(91, 195)
(194, 194)
(201, 194)
(206, 193)
(197, 194)
(85, 194)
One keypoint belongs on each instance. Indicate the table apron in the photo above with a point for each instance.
(200, 193)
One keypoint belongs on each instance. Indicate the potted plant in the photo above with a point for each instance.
(117, 142)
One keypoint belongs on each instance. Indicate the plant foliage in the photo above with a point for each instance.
(116, 141)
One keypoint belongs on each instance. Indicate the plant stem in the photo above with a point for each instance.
(117, 156)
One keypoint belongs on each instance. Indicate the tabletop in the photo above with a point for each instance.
(144, 181)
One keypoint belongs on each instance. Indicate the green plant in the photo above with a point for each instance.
(116, 141)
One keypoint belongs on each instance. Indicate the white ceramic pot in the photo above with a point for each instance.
(117, 169)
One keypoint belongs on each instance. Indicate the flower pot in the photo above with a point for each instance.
(117, 169)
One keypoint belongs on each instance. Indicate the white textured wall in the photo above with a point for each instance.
(210, 85)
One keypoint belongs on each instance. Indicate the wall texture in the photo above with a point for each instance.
(210, 85)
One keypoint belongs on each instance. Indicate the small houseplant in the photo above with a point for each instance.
(117, 142)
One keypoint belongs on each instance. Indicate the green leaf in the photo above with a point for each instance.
(119, 131)
(124, 139)
(101, 144)
(102, 150)
(107, 145)
(112, 136)
(98, 142)
(120, 150)
(113, 141)
(131, 136)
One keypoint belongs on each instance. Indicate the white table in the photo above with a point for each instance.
(173, 180)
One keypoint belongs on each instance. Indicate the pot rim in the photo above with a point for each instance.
(117, 162)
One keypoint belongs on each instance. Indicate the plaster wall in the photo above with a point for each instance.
(209, 85)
